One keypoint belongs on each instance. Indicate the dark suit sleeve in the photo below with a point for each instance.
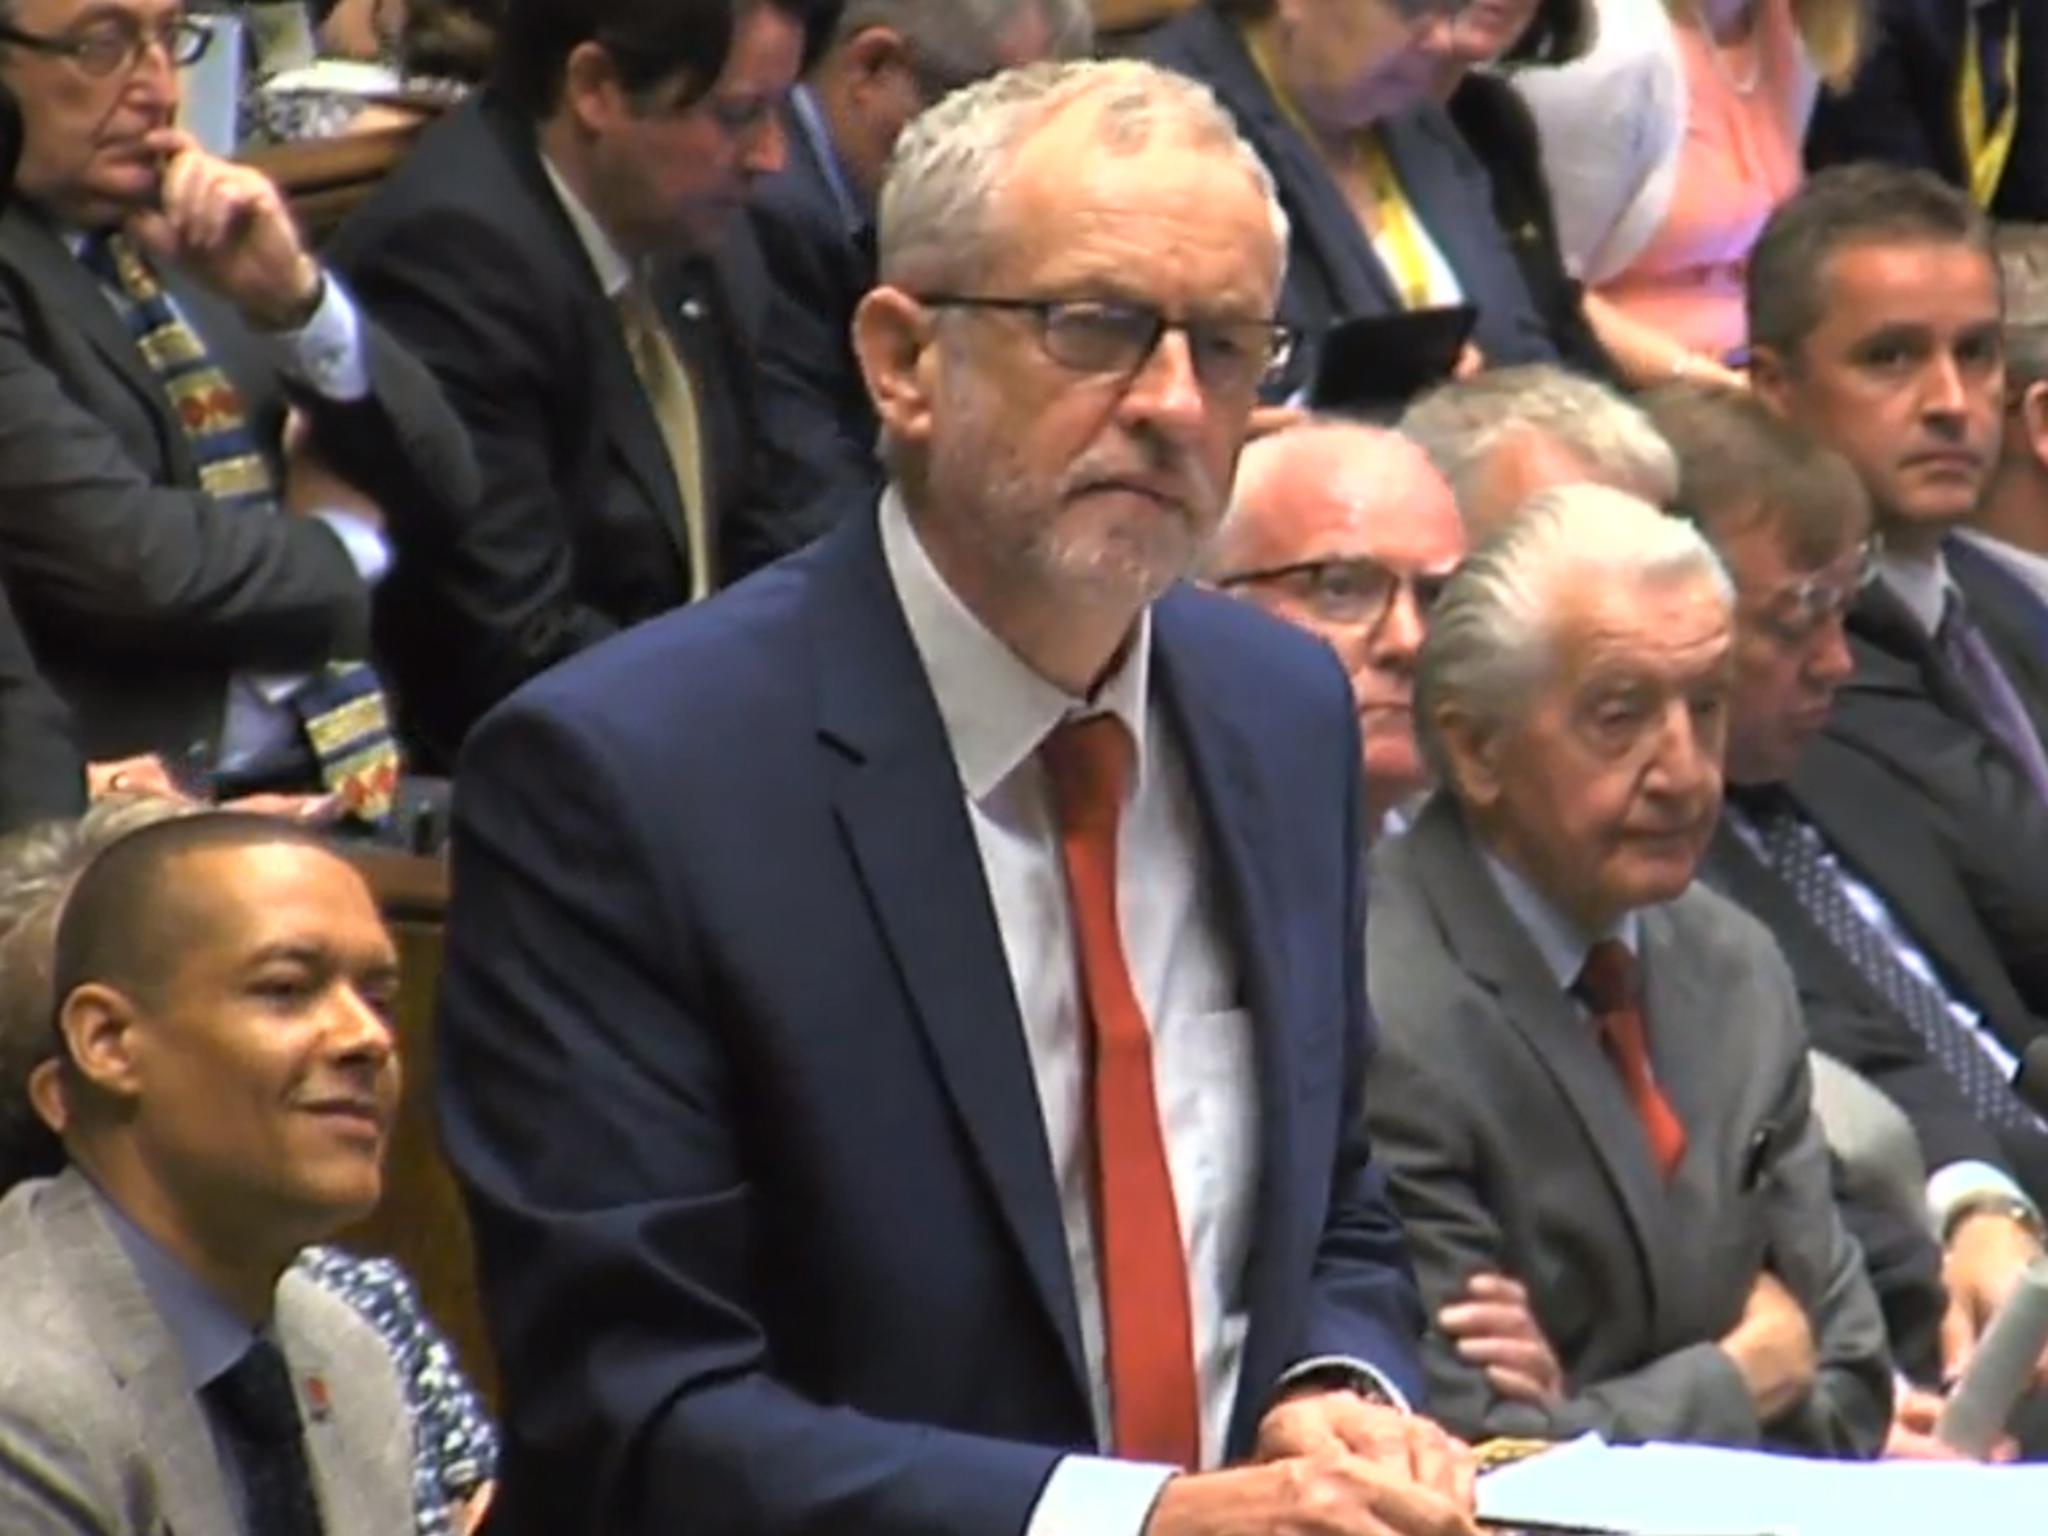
(97, 555)
(589, 1103)
(41, 776)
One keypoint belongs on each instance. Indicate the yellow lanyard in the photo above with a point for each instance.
(1401, 241)
(1986, 150)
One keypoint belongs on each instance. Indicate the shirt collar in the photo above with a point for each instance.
(1562, 943)
(996, 709)
(1922, 585)
(810, 118)
(209, 1334)
(613, 271)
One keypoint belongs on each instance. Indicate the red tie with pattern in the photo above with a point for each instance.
(1153, 1402)
(1607, 984)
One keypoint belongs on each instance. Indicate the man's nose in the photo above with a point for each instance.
(1166, 392)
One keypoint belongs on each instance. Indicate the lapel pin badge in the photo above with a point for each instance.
(319, 1401)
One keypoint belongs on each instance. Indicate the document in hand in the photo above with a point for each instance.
(1684, 1490)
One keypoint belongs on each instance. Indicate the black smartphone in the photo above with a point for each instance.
(1377, 361)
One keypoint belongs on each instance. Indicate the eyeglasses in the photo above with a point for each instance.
(1107, 336)
(1358, 593)
(1795, 613)
(115, 45)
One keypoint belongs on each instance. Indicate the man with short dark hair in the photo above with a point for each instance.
(548, 250)
(229, 1072)
(813, 223)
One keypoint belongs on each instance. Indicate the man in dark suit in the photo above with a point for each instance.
(1593, 1092)
(548, 251)
(1912, 103)
(41, 775)
(1900, 979)
(903, 1024)
(1875, 314)
(193, 576)
(812, 224)
(1334, 272)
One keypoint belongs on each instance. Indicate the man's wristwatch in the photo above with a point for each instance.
(1992, 1202)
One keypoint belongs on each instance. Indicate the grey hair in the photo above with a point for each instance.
(1462, 424)
(1266, 457)
(960, 36)
(946, 168)
(2023, 262)
(1491, 640)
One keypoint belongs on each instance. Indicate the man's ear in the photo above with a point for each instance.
(1475, 754)
(1770, 377)
(892, 337)
(2033, 422)
(98, 1025)
(872, 56)
(592, 93)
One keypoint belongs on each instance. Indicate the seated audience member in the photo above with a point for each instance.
(228, 1079)
(191, 570)
(546, 249)
(1504, 435)
(2010, 524)
(1898, 977)
(982, 1221)
(813, 222)
(1874, 300)
(1492, 39)
(455, 1447)
(41, 774)
(1667, 147)
(1347, 531)
(1387, 208)
(1955, 87)
(1592, 1091)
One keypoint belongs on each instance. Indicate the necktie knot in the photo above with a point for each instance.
(255, 1394)
(1607, 981)
(1088, 763)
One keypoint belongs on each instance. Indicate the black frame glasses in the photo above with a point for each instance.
(114, 45)
(1355, 591)
(1117, 337)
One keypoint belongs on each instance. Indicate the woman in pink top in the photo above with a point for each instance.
(1667, 147)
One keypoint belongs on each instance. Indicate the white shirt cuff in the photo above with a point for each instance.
(1954, 1183)
(1393, 1394)
(367, 550)
(328, 349)
(1095, 1496)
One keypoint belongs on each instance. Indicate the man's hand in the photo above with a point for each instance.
(1986, 1253)
(1401, 1445)
(1329, 1493)
(1773, 1348)
(1914, 1414)
(227, 225)
(1494, 1328)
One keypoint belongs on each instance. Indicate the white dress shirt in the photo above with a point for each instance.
(997, 711)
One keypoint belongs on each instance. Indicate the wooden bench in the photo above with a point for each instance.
(324, 179)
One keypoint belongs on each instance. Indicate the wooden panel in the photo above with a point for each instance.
(324, 179)
(1127, 15)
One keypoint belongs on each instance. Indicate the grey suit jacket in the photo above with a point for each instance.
(140, 592)
(1512, 1146)
(98, 1432)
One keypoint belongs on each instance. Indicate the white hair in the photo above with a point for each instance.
(961, 36)
(1490, 645)
(943, 175)
(1266, 458)
(1462, 424)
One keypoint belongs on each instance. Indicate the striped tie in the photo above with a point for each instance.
(341, 707)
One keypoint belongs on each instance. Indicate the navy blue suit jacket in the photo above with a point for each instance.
(733, 1075)
(1333, 273)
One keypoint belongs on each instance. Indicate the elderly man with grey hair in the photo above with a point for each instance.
(903, 1028)
(1502, 436)
(813, 223)
(1348, 531)
(2011, 521)
(1592, 1090)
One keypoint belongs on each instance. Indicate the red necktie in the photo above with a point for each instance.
(1607, 983)
(1153, 1403)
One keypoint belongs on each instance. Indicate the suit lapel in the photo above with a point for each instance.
(1492, 946)
(1228, 792)
(69, 291)
(1746, 881)
(901, 809)
(2012, 617)
(144, 1359)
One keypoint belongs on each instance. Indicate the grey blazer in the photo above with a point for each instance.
(1511, 1145)
(98, 1432)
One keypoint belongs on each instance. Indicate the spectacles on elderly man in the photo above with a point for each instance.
(1794, 613)
(114, 45)
(1113, 336)
(1357, 593)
